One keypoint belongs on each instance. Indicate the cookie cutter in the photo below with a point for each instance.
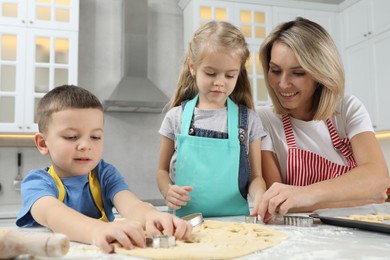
(299, 221)
(161, 241)
(253, 219)
(194, 219)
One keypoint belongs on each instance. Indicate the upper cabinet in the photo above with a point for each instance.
(46, 14)
(38, 51)
(366, 57)
(365, 19)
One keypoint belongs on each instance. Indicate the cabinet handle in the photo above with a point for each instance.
(369, 33)
(31, 22)
(365, 35)
(23, 21)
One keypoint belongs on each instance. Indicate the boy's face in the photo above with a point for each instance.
(74, 141)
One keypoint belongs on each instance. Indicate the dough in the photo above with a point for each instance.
(214, 240)
(373, 218)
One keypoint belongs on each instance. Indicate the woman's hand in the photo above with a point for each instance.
(129, 234)
(177, 196)
(281, 198)
(162, 223)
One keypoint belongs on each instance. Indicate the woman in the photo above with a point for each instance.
(321, 149)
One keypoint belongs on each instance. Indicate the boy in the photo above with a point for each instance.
(76, 194)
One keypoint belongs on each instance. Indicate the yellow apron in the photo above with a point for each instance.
(94, 187)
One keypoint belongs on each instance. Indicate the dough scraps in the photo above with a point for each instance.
(215, 240)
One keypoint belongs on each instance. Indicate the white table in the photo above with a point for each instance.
(317, 242)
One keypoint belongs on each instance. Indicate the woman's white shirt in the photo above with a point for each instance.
(352, 119)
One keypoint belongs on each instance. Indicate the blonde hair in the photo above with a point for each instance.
(214, 37)
(63, 98)
(317, 54)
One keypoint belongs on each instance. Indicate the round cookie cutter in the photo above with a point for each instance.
(161, 241)
(253, 219)
(194, 219)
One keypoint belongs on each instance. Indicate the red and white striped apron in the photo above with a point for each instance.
(305, 167)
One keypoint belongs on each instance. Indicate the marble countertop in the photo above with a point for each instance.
(319, 241)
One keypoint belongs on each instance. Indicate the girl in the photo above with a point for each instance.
(205, 164)
(321, 145)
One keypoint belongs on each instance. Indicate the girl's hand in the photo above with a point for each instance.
(128, 233)
(162, 223)
(177, 196)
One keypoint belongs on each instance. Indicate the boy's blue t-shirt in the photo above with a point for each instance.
(38, 183)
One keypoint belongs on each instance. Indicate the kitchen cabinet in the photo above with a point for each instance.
(367, 77)
(38, 51)
(366, 54)
(254, 20)
(365, 19)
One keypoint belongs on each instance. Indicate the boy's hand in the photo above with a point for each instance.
(177, 196)
(162, 223)
(126, 232)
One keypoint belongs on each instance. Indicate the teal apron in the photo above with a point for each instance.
(211, 167)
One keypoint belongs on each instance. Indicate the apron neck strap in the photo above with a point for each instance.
(94, 187)
(232, 109)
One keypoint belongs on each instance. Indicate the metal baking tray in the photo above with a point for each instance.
(377, 227)
(332, 217)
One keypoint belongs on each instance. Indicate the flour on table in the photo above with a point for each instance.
(215, 240)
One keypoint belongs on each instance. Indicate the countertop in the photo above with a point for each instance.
(320, 241)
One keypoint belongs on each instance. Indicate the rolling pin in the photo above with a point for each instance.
(15, 242)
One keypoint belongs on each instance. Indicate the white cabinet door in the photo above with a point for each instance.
(365, 19)
(13, 12)
(255, 21)
(49, 14)
(356, 23)
(379, 16)
(51, 62)
(380, 53)
(12, 78)
(358, 77)
(367, 77)
(34, 58)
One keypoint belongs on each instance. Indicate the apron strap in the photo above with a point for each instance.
(232, 108)
(186, 118)
(94, 187)
(233, 135)
(288, 131)
(341, 144)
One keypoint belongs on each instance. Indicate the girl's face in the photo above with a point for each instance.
(74, 141)
(216, 78)
(293, 86)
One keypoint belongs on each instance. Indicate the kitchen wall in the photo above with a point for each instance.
(131, 140)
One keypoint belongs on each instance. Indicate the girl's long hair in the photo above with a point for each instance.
(214, 37)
